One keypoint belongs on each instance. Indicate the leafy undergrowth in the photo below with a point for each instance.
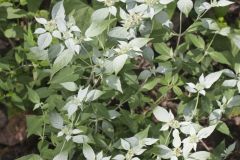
(120, 79)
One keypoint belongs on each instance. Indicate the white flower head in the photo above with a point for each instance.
(194, 137)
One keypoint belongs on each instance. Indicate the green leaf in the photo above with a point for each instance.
(108, 129)
(62, 60)
(151, 84)
(185, 6)
(223, 128)
(96, 28)
(65, 75)
(219, 57)
(196, 40)
(33, 96)
(30, 157)
(114, 82)
(34, 125)
(88, 152)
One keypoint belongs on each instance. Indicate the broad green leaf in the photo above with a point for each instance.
(196, 40)
(34, 125)
(219, 57)
(30, 157)
(114, 82)
(151, 84)
(62, 60)
(223, 128)
(33, 96)
(185, 6)
(119, 62)
(96, 28)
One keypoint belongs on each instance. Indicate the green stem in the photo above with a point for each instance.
(168, 136)
(195, 108)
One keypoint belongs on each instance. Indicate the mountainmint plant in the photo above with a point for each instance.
(120, 80)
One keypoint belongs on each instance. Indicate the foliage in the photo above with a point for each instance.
(78, 71)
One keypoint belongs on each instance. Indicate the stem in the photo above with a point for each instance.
(168, 136)
(63, 146)
(195, 108)
(205, 145)
(206, 51)
(180, 31)
(89, 56)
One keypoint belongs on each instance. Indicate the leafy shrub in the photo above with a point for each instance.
(94, 100)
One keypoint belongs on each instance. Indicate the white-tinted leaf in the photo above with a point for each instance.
(125, 144)
(166, 1)
(230, 83)
(223, 3)
(40, 31)
(82, 93)
(58, 10)
(201, 155)
(71, 108)
(212, 78)
(119, 33)
(88, 152)
(150, 141)
(185, 6)
(61, 156)
(165, 152)
(114, 82)
(63, 59)
(119, 62)
(80, 139)
(41, 20)
(57, 34)
(96, 28)
(71, 86)
(44, 40)
(119, 157)
(56, 120)
(161, 114)
(93, 95)
(139, 42)
(100, 14)
(206, 132)
(234, 101)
